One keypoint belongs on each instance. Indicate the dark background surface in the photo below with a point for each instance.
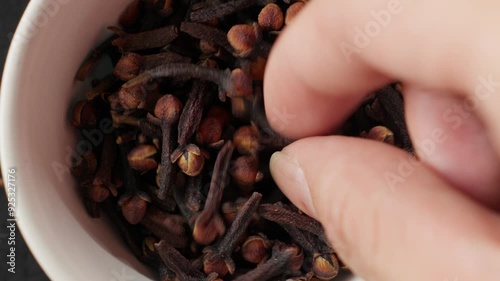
(27, 268)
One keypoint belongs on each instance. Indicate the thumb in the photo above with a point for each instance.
(388, 216)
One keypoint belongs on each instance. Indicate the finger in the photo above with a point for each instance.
(450, 139)
(313, 76)
(419, 230)
(308, 76)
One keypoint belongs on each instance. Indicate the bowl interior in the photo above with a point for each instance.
(53, 38)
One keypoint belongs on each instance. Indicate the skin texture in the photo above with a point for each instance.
(438, 220)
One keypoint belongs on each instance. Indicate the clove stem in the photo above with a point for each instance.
(225, 9)
(166, 168)
(144, 40)
(392, 102)
(276, 265)
(279, 214)
(210, 217)
(179, 264)
(217, 76)
(210, 34)
(222, 253)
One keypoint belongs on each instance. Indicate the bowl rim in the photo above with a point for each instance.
(10, 78)
(55, 264)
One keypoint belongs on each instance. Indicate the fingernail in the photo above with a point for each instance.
(291, 179)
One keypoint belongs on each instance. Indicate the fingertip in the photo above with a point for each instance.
(290, 177)
(345, 180)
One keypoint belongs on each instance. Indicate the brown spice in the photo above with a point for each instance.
(144, 40)
(218, 259)
(271, 17)
(209, 224)
(162, 76)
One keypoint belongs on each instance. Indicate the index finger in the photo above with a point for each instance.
(335, 52)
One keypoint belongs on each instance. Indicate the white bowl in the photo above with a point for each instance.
(53, 38)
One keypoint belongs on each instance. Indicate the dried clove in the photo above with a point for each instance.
(217, 11)
(120, 120)
(382, 134)
(282, 260)
(247, 41)
(154, 60)
(140, 158)
(168, 110)
(104, 174)
(190, 158)
(179, 264)
(210, 132)
(180, 198)
(193, 194)
(392, 103)
(106, 84)
(131, 64)
(166, 226)
(144, 40)
(271, 18)
(164, 7)
(207, 33)
(126, 137)
(322, 262)
(149, 129)
(245, 172)
(209, 224)
(256, 248)
(98, 193)
(128, 66)
(281, 215)
(86, 168)
(132, 98)
(133, 207)
(190, 118)
(131, 14)
(167, 204)
(231, 83)
(84, 115)
(218, 258)
(246, 140)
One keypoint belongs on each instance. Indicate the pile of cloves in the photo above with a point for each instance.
(184, 173)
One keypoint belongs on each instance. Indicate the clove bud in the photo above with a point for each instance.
(141, 158)
(128, 66)
(256, 249)
(134, 207)
(271, 17)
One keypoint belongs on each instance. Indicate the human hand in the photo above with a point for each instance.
(438, 222)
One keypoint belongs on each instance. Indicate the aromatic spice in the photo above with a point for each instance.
(184, 174)
(271, 17)
(145, 40)
(209, 224)
(168, 110)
